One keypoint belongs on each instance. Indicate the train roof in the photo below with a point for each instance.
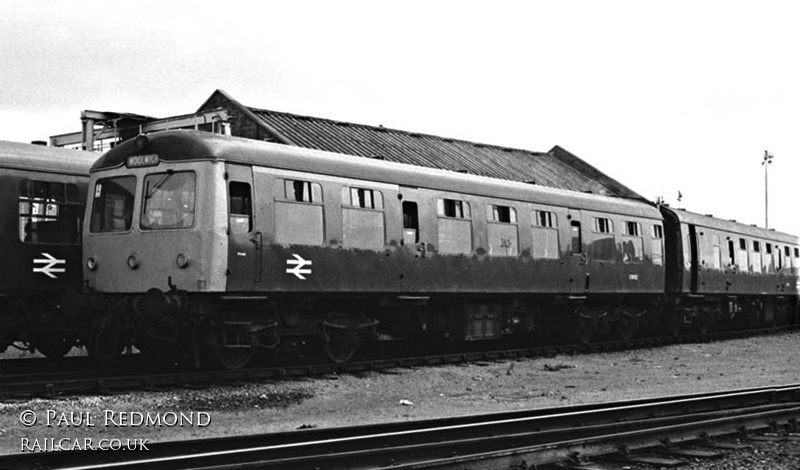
(701, 220)
(41, 158)
(186, 145)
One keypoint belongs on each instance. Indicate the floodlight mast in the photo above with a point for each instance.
(766, 162)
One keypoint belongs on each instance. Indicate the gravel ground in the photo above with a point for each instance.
(422, 393)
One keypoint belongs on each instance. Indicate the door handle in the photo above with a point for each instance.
(256, 239)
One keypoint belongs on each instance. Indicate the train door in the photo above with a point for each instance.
(244, 241)
(580, 279)
(410, 210)
(694, 263)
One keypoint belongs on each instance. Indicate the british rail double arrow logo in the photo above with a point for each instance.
(299, 266)
(50, 263)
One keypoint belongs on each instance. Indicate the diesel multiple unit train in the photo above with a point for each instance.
(218, 247)
(42, 198)
(199, 247)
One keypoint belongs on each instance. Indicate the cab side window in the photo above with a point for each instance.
(240, 209)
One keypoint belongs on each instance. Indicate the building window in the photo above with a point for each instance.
(49, 212)
(302, 191)
(453, 208)
(603, 225)
(502, 214)
(545, 219)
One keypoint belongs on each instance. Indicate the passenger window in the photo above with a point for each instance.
(112, 209)
(658, 231)
(632, 243)
(240, 207)
(744, 262)
(633, 229)
(453, 208)
(302, 191)
(577, 243)
(716, 253)
(544, 219)
(545, 237)
(755, 257)
(49, 212)
(363, 198)
(502, 214)
(361, 228)
(503, 239)
(603, 225)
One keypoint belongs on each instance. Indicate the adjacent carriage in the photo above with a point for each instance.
(42, 194)
(727, 273)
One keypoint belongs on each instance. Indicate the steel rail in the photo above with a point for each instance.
(484, 437)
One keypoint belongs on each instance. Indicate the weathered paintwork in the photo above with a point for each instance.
(708, 259)
(257, 262)
(24, 162)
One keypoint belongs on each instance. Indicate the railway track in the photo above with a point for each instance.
(134, 376)
(518, 440)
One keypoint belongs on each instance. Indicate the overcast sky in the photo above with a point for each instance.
(663, 96)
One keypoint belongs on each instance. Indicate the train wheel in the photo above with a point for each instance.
(673, 323)
(340, 346)
(585, 329)
(106, 342)
(702, 322)
(233, 358)
(627, 326)
(229, 343)
(52, 344)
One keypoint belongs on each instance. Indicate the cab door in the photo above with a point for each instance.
(244, 240)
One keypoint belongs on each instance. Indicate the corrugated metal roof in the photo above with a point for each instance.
(556, 168)
(430, 151)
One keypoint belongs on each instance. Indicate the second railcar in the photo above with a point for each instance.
(724, 273)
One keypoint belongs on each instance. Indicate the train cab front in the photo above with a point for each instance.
(151, 236)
